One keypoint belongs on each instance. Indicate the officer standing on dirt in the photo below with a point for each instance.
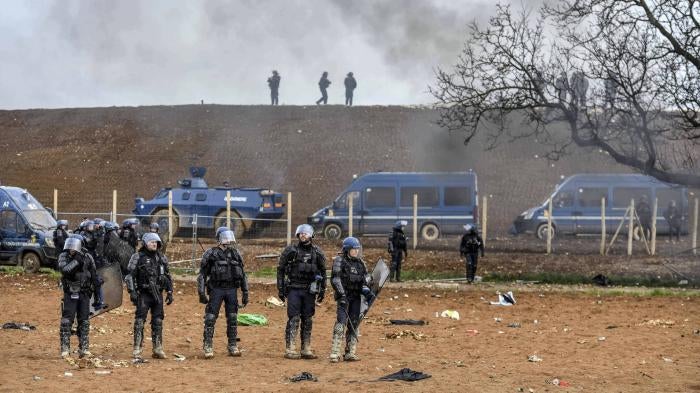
(274, 83)
(60, 234)
(469, 248)
(644, 213)
(674, 217)
(350, 86)
(323, 84)
(79, 280)
(301, 279)
(350, 280)
(148, 277)
(221, 273)
(398, 248)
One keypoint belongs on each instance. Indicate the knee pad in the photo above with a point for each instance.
(157, 322)
(232, 318)
(210, 318)
(65, 322)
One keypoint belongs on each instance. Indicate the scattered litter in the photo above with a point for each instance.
(534, 358)
(436, 295)
(601, 338)
(405, 295)
(667, 360)
(179, 358)
(646, 375)
(68, 374)
(696, 331)
(252, 320)
(36, 378)
(407, 333)
(658, 322)
(407, 322)
(612, 327)
(504, 299)
(558, 382)
(472, 332)
(17, 325)
(514, 325)
(139, 361)
(683, 282)
(304, 376)
(103, 372)
(497, 319)
(188, 339)
(582, 341)
(601, 280)
(268, 256)
(273, 301)
(405, 374)
(452, 314)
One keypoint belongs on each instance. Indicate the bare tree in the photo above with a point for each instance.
(620, 76)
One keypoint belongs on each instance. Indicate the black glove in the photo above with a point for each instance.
(320, 296)
(343, 300)
(134, 298)
(169, 299)
(244, 299)
(203, 298)
(281, 296)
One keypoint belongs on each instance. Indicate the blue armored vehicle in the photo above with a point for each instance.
(193, 196)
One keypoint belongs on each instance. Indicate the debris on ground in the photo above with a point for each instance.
(273, 301)
(658, 322)
(601, 338)
(407, 333)
(504, 299)
(376, 321)
(179, 358)
(405, 374)
(472, 332)
(534, 358)
(263, 256)
(414, 322)
(514, 325)
(452, 314)
(96, 362)
(304, 376)
(102, 372)
(139, 361)
(558, 382)
(601, 280)
(17, 325)
(252, 320)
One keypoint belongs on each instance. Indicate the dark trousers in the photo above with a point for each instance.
(228, 296)
(79, 307)
(674, 230)
(351, 310)
(148, 303)
(348, 98)
(471, 260)
(395, 268)
(300, 303)
(324, 97)
(274, 97)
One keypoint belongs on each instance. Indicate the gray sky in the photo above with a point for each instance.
(69, 53)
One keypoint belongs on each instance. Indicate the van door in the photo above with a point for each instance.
(587, 212)
(621, 198)
(563, 211)
(379, 209)
(13, 233)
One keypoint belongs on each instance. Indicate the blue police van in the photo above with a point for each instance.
(193, 196)
(446, 202)
(26, 230)
(576, 204)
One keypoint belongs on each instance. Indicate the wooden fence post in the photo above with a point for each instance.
(415, 221)
(289, 218)
(549, 227)
(484, 220)
(602, 226)
(630, 228)
(654, 211)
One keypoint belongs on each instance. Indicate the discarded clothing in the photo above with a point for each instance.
(405, 374)
(17, 325)
(304, 376)
(407, 322)
(251, 320)
(504, 299)
(601, 280)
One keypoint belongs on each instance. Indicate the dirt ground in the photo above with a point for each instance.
(590, 342)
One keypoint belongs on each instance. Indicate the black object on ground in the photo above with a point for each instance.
(407, 322)
(405, 374)
(601, 280)
(17, 325)
(304, 376)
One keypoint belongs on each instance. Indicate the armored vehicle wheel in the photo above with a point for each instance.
(31, 262)
(238, 225)
(332, 231)
(430, 232)
(161, 217)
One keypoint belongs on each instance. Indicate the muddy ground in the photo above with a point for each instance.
(590, 341)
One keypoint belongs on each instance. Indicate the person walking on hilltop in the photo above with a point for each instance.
(323, 84)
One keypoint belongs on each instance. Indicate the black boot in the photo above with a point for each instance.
(138, 337)
(64, 335)
(157, 336)
(290, 337)
(306, 326)
(232, 334)
(398, 272)
(84, 338)
(209, 323)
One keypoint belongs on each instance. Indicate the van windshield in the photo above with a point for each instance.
(34, 211)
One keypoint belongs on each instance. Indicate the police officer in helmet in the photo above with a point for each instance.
(60, 234)
(128, 233)
(398, 248)
(221, 273)
(79, 280)
(350, 280)
(301, 279)
(148, 277)
(469, 248)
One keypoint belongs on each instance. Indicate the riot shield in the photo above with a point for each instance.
(117, 251)
(111, 289)
(380, 275)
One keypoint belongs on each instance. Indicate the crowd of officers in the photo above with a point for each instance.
(273, 82)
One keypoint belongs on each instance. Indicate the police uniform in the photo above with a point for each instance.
(469, 248)
(397, 248)
(221, 273)
(301, 279)
(148, 277)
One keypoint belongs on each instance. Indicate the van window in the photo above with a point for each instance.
(4, 200)
(564, 198)
(427, 196)
(458, 196)
(666, 195)
(11, 223)
(591, 196)
(623, 195)
(342, 202)
(200, 197)
(186, 196)
(380, 197)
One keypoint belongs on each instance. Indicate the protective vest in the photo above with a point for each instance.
(352, 275)
(225, 269)
(80, 280)
(471, 244)
(151, 269)
(303, 268)
(397, 242)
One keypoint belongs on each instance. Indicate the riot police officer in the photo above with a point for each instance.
(128, 233)
(301, 279)
(469, 248)
(154, 227)
(221, 273)
(60, 234)
(397, 247)
(79, 280)
(350, 280)
(148, 277)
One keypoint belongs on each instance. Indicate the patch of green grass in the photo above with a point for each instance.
(266, 272)
(417, 275)
(182, 271)
(573, 279)
(11, 270)
(55, 274)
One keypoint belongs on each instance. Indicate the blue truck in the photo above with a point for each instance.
(446, 202)
(26, 230)
(194, 196)
(576, 204)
